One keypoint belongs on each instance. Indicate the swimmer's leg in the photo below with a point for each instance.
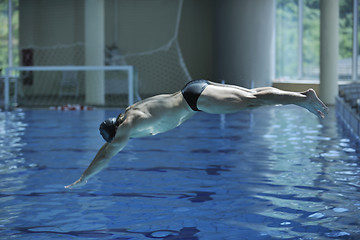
(218, 99)
(307, 99)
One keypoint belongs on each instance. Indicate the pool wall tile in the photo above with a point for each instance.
(346, 109)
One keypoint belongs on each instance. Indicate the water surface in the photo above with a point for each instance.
(270, 173)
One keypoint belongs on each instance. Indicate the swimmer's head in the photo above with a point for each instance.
(108, 129)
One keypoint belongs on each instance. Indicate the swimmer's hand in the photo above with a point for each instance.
(102, 158)
(80, 182)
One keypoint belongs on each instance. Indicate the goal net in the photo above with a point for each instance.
(44, 86)
(142, 34)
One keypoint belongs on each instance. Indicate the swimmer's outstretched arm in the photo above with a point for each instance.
(101, 160)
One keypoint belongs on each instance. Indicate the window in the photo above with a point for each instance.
(345, 39)
(4, 32)
(298, 39)
(286, 39)
(310, 60)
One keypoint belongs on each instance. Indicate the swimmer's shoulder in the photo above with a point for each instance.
(134, 114)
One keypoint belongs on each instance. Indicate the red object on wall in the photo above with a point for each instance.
(27, 59)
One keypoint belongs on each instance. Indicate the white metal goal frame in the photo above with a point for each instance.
(132, 87)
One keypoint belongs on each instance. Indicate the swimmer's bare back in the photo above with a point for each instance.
(162, 113)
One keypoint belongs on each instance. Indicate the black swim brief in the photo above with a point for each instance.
(192, 91)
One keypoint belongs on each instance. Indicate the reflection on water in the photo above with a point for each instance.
(11, 130)
(320, 166)
(12, 162)
(271, 173)
(184, 233)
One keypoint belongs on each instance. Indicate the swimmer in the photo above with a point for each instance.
(162, 113)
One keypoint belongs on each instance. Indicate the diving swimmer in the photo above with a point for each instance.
(164, 112)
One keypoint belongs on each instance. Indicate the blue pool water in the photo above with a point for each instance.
(269, 173)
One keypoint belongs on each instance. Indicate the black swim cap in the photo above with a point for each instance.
(108, 129)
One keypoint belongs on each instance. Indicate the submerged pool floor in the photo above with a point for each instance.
(269, 173)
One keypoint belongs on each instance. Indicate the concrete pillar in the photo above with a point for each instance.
(329, 48)
(244, 42)
(94, 51)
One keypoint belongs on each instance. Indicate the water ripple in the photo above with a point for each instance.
(271, 173)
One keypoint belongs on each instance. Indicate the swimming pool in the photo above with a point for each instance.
(269, 173)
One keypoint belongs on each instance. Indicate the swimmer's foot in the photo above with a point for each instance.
(314, 104)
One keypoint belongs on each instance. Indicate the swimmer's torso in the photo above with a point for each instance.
(157, 114)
